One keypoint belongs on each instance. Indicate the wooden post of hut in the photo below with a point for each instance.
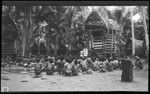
(133, 38)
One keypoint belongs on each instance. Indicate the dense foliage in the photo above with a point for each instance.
(58, 26)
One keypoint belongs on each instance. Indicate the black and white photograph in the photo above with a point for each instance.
(55, 47)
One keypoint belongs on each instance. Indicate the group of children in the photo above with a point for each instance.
(73, 66)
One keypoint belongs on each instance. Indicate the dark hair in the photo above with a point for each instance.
(68, 60)
(75, 62)
(50, 60)
(93, 59)
(109, 59)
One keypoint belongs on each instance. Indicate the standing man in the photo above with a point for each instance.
(127, 70)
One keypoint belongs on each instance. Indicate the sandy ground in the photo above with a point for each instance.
(109, 81)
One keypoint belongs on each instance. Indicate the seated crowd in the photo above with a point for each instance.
(72, 66)
(69, 66)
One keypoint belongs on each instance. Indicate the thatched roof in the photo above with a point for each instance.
(96, 18)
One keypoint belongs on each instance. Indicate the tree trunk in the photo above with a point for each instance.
(29, 30)
(24, 42)
(25, 33)
(56, 45)
(133, 39)
(38, 47)
(119, 39)
(48, 43)
(146, 32)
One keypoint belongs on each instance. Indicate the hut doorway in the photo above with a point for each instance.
(42, 49)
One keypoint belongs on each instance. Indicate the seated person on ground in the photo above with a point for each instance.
(79, 60)
(60, 65)
(115, 63)
(138, 64)
(37, 69)
(109, 65)
(53, 59)
(89, 63)
(102, 66)
(95, 65)
(50, 67)
(75, 68)
(83, 65)
(68, 67)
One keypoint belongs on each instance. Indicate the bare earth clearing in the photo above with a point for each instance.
(109, 81)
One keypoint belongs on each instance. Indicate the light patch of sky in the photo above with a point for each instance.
(136, 17)
(91, 8)
(112, 8)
